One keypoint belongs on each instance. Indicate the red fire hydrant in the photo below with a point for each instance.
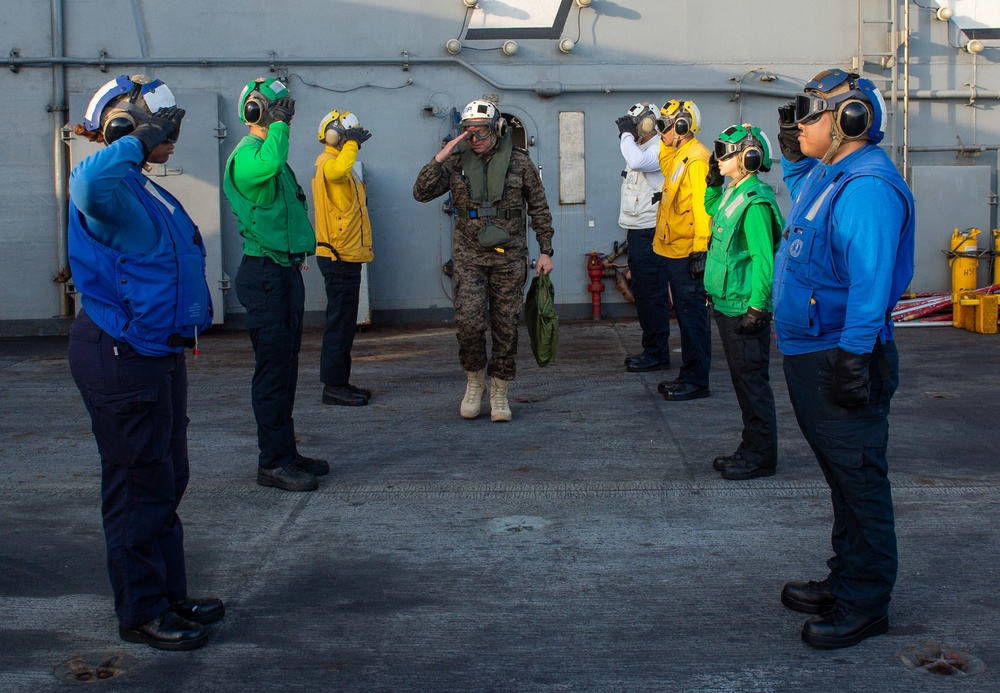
(596, 272)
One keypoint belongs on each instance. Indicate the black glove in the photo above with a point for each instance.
(358, 135)
(714, 179)
(850, 379)
(752, 321)
(625, 124)
(697, 265)
(788, 133)
(281, 109)
(155, 129)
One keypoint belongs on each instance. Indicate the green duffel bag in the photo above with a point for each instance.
(541, 319)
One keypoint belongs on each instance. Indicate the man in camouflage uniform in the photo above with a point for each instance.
(492, 183)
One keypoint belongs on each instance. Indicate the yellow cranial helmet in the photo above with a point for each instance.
(683, 116)
(334, 124)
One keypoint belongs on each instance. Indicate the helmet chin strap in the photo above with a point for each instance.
(836, 139)
(741, 174)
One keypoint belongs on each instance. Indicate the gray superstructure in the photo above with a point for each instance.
(389, 62)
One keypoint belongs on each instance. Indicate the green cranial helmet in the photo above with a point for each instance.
(749, 142)
(254, 98)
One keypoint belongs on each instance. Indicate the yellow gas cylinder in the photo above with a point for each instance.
(964, 260)
(996, 256)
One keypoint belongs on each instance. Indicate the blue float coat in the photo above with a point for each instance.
(861, 255)
(137, 257)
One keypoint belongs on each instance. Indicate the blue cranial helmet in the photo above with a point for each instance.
(856, 103)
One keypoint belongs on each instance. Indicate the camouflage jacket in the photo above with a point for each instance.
(522, 190)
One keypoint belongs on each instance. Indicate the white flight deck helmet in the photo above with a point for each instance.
(644, 116)
(482, 112)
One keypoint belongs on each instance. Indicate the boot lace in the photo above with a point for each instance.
(474, 392)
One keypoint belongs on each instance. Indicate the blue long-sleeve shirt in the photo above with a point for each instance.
(115, 217)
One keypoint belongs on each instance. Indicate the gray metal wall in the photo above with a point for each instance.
(386, 61)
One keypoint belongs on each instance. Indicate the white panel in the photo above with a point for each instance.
(505, 14)
(947, 198)
(975, 14)
(193, 175)
(572, 163)
(364, 300)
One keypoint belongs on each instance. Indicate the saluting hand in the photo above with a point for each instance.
(447, 150)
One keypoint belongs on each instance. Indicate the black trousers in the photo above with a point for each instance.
(651, 291)
(850, 446)
(343, 290)
(749, 357)
(138, 412)
(274, 297)
(692, 319)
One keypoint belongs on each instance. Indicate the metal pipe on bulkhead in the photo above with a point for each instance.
(906, 92)
(546, 89)
(60, 158)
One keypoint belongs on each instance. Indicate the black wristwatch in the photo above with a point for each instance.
(550, 252)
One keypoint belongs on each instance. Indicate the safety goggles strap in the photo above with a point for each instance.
(809, 105)
(724, 150)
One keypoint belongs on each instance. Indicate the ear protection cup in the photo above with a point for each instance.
(332, 137)
(854, 118)
(501, 127)
(255, 97)
(684, 116)
(644, 115)
(646, 125)
(751, 159)
(253, 110)
(118, 124)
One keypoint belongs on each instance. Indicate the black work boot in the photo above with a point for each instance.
(741, 470)
(287, 479)
(842, 627)
(813, 597)
(723, 461)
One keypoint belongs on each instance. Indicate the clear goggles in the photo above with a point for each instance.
(478, 131)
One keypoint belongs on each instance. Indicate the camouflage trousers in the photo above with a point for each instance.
(497, 292)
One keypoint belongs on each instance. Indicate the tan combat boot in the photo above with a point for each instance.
(474, 390)
(498, 400)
